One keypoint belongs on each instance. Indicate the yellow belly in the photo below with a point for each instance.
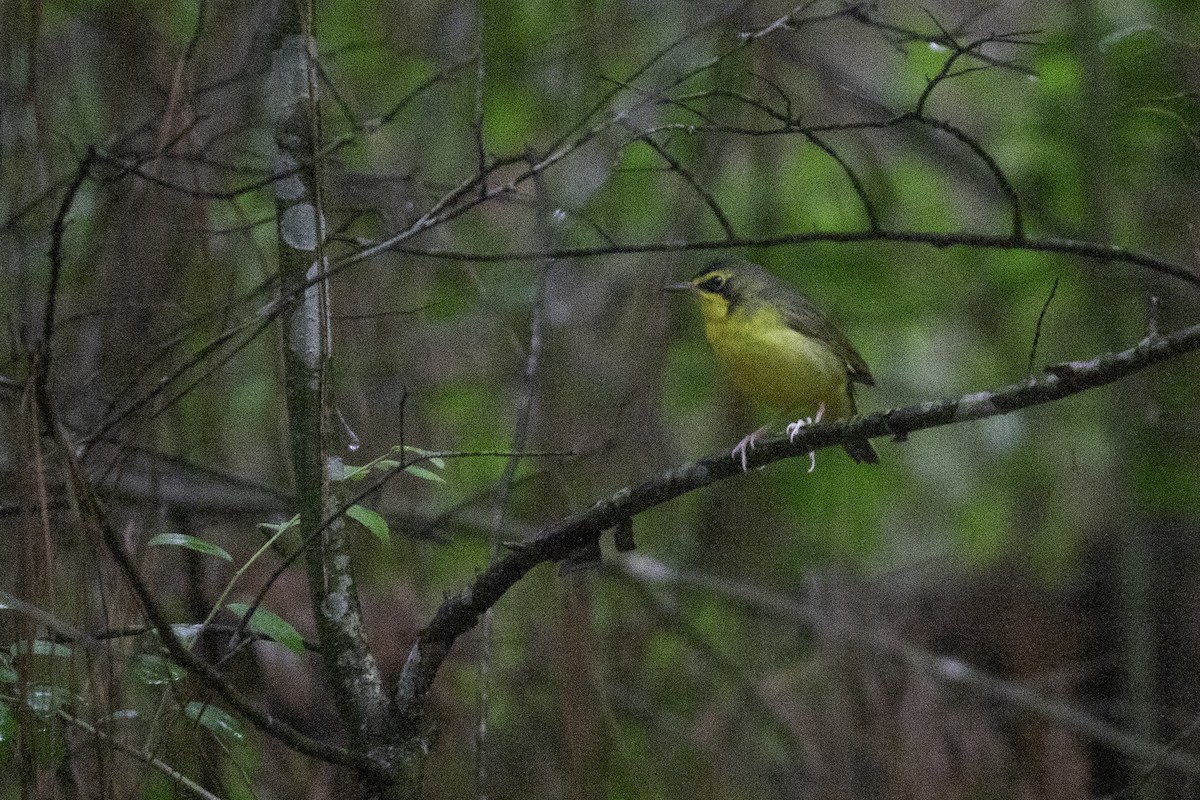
(779, 368)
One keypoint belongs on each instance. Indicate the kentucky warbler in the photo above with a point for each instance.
(778, 348)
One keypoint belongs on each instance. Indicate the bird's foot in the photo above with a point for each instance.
(741, 448)
(794, 428)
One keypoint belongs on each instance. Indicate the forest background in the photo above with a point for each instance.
(331, 327)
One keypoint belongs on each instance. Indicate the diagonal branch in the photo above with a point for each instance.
(461, 612)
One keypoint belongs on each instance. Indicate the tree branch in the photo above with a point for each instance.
(461, 612)
(987, 241)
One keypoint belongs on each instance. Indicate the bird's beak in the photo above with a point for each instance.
(678, 287)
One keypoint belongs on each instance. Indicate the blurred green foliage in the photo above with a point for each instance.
(1097, 133)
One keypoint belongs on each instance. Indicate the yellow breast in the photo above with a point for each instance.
(775, 365)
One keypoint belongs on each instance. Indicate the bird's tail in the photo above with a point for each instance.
(861, 451)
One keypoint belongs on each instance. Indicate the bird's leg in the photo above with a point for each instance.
(794, 428)
(747, 443)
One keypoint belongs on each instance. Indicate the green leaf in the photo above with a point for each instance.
(1117, 38)
(387, 464)
(424, 474)
(272, 626)
(8, 723)
(218, 721)
(39, 647)
(275, 528)
(191, 543)
(350, 473)
(371, 520)
(44, 699)
(440, 463)
(154, 670)
(187, 632)
(124, 715)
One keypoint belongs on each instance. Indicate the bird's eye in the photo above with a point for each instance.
(714, 284)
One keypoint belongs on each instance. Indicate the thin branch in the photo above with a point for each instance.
(1102, 252)
(1037, 330)
(947, 671)
(1167, 756)
(134, 165)
(1094, 250)
(57, 233)
(478, 120)
(972, 48)
(454, 205)
(789, 127)
(723, 670)
(1018, 221)
(861, 13)
(852, 176)
(168, 381)
(173, 775)
(134, 631)
(92, 513)
(176, 93)
(690, 179)
(609, 97)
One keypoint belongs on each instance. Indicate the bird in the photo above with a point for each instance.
(779, 349)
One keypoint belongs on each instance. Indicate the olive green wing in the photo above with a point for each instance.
(804, 317)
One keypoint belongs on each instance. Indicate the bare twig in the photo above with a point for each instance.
(57, 232)
(862, 13)
(1093, 250)
(175, 776)
(691, 181)
(1037, 329)
(852, 176)
(477, 121)
(1018, 221)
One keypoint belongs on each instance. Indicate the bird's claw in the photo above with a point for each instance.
(741, 448)
(794, 428)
